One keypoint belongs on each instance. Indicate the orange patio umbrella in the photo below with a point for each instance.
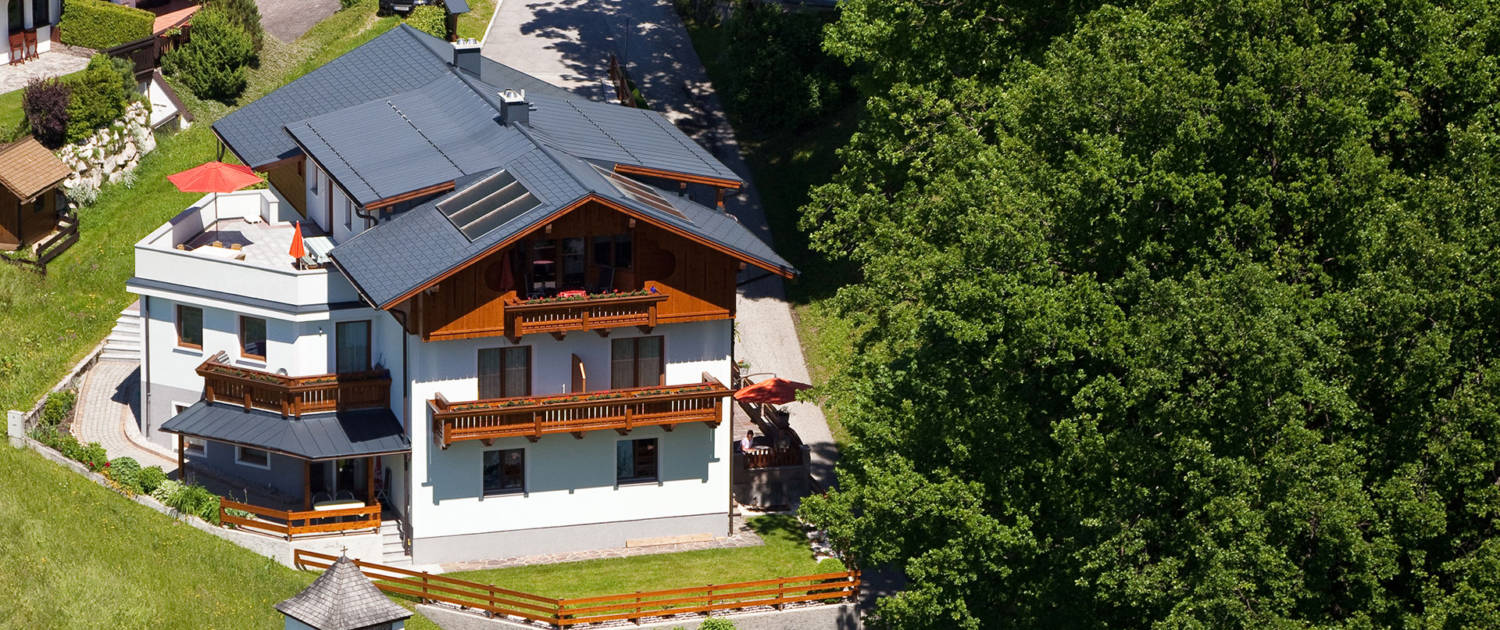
(214, 177)
(775, 391)
(297, 251)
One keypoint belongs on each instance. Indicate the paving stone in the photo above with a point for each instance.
(106, 413)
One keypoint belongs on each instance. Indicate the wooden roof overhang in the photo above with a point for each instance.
(591, 197)
(627, 169)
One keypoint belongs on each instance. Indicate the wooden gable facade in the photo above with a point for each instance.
(632, 273)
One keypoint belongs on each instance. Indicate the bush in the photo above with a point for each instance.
(151, 478)
(716, 623)
(93, 456)
(98, 98)
(212, 63)
(125, 69)
(166, 490)
(126, 472)
(99, 25)
(780, 78)
(244, 14)
(429, 19)
(344, 4)
(45, 104)
(195, 500)
(58, 407)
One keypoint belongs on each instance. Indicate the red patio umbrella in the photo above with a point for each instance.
(775, 391)
(214, 177)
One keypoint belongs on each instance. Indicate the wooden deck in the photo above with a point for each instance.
(292, 396)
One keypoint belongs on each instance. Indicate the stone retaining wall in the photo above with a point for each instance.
(109, 155)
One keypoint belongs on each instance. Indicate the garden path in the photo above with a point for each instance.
(54, 63)
(106, 413)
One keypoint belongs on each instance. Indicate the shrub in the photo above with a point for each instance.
(344, 4)
(126, 472)
(195, 500)
(124, 69)
(151, 478)
(58, 407)
(98, 98)
(99, 25)
(93, 456)
(716, 623)
(166, 490)
(212, 63)
(429, 19)
(244, 14)
(45, 103)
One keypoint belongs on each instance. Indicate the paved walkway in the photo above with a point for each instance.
(568, 43)
(106, 413)
(54, 63)
(743, 537)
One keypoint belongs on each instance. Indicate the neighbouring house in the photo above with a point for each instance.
(510, 332)
(29, 26)
(31, 204)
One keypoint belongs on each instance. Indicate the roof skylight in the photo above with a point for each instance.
(488, 204)
(638, 191)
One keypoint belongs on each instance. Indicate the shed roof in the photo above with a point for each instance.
(27, 168)
(318, 436)
(342, 599)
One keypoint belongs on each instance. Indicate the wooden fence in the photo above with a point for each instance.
(634, 607)
(59, 242)
(292, 523)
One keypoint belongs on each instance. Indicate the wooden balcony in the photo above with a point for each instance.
(532, 417)
(290, 524)
(292, 396)
(561, 315)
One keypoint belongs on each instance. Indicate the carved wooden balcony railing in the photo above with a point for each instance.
(619, 409)
(561, 315)
(292, 396)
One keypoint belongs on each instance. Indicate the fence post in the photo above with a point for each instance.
(781, 594)
(637, 618)
(425, 589)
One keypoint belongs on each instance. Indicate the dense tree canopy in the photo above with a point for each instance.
(1178, 313)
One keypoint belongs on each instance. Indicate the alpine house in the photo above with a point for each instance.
(509, 326)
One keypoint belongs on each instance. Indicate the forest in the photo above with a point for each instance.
(1170, 314)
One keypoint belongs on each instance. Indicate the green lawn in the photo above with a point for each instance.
(785, 554)
(473, 23)
(10, 114)
(52, 322)
(76, 555)
(785, 166)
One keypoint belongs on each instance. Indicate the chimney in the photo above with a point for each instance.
(516, 109)
(466, 55)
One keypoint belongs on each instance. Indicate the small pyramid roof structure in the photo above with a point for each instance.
(342, 599)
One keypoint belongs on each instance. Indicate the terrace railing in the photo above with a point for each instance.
(619, 409)
(560, 315)
(292, 396)
(558, 613)
(292, 523)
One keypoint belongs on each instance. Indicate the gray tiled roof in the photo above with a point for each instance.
(621, 135)
(313, 436)
(342, 599)
(397, 61)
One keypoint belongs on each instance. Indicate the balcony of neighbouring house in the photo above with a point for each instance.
(236, 248)
(293, 396)
(581, 311)
(620, 409)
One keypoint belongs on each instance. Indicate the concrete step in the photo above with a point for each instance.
(119, 356)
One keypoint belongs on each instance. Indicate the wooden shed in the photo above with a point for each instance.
(30, 203)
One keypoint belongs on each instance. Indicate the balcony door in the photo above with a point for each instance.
(636, 362)
(352, 346)
(504, 372)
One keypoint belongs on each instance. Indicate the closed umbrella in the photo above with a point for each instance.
(297, 251)
(214, 177)
(774, 391)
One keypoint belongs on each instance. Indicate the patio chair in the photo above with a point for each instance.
(319, 497)
(17, 48)
(32, 52)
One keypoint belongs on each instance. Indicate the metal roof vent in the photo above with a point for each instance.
(515, 108)
(488, 204)
(466, 55)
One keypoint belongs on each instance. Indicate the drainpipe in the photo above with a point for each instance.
(146, 363)
(731, 430)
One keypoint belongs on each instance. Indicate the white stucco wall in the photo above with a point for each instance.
(317, 206)
(569, 481)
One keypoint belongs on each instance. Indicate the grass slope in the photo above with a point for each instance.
(473, 23)
(785, 554)
(54, 321)
(76, 555)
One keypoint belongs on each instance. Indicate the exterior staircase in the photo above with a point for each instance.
(124, 342)
(393, 550)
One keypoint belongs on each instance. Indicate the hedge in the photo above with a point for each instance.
(430, 19)
(99, 25)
